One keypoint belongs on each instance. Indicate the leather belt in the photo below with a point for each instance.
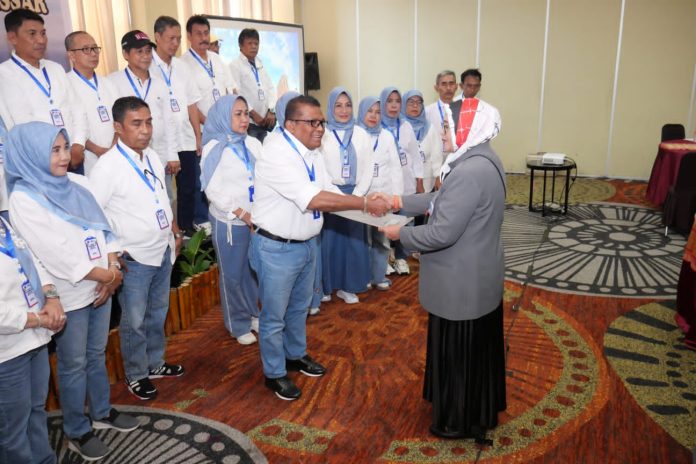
(267, 234)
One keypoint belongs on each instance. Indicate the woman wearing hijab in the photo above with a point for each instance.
(347, 153)
(461, 285)
(227, 177)
(30, 312)
(280, 106)
(410, 159)
(386, 177)
(58, 216)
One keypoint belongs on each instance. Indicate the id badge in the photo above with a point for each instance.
(29, 294)
(251, 194)
(375, 172)
(174, 105)
(262, 96)
(316, 214)
(103, 113)
(162, 219)
(422, 155)
(402, 158)
(345, 172)
(216, 94)
(92, 246)
(57, 118)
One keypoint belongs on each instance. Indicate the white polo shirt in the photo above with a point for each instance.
(184, 92)
(331, 151)
(157, 98)
(386, 175)
(61, 247)
(131, 205)
(95, 98)
(228, 189)
(14, 339)
(256, 87)
(283, 189)
(26, 99)
(210, 76)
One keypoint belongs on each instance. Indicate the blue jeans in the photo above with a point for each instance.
(379, 255)
(23, 391)
(318, 291)
(82, 373)
(144, 300)
(286, 273)
(239, 292)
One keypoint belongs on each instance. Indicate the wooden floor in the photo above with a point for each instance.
(368, 408)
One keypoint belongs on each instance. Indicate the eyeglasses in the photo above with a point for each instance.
(87, 50)
(312, 122)
(414, 103)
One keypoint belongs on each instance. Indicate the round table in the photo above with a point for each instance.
(537, 165)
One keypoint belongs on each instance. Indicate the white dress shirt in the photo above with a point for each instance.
(283, 189)
(61, 247)
(157, 99)
(184, 92)
(211, 77)
(431, 152)
(333, 160)
(260, 94)
(386, 172)
(228, 188)
(409, 156)
(26, 101)
(439, 112)
(14, 339)
(95, 106)
(130, 204)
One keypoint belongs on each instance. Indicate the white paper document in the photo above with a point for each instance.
(366, 218)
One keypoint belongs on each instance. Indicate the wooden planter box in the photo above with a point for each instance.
(193, 298)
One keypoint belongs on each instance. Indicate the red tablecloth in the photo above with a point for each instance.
(686, 292)
(666, 167)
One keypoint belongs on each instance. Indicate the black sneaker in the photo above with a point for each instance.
(143, 388)
(88, 446)
(306, 365)
(284, 388)
(117, 421)
(167, 370)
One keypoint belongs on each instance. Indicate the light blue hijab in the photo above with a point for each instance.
(387, 121)
(219, 127)
(281, 105)
(28, 170)
(333, 125)
(420, 123)
(364, 107)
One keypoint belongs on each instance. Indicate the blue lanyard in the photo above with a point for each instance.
(256, 72)
(376, 143)
(418, 134)
(442, 115)
(147, 91)
(344, 148)
(398, 131)
(208, 68)
(140, 173)
(310, 172)
(244, 159)
(36, 81)
(167, 79)
(94, 86)
(10, 250)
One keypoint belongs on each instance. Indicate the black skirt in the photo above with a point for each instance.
(465, 374)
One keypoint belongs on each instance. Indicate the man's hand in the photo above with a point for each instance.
(419, 185)
(438, 183)
(77, 155)
(52, 315)
(391, 232)
(258, 120)
(270, 120)
(378, 204)
(173, 167)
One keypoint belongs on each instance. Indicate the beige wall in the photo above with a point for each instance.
(368, 44)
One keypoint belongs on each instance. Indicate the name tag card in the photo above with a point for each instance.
(316, 214)
(216, 94)
(162, 219)
(262, 96)
(251, 193)
(375, 172)
(345, 172)
(93, 250)
(174, 105)
(422, 155)
(29, 295)
(57, 118)
(103, 113)
(402, 157)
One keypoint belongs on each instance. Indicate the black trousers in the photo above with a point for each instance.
(191, 204)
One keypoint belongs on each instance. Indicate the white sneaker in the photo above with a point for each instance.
(390, 269)
(313, 311)
(255, 324)
(206, 226)
(350, 298)
(325, 298)
(384, 285)
(246, 339)
(401, 267)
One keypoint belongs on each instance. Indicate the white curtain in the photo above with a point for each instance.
(252, 9)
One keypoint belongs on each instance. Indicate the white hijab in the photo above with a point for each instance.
(486, 126)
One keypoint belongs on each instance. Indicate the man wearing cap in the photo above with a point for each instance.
(36, 89)
(136, 80)
(95, 96)
(215, 44)
(255, 85)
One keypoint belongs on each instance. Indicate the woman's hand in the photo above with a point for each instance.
(391, 232)
(52, 316)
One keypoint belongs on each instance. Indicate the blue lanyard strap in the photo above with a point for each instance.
(310, 172)
(94, 86)
(10, 250)
(167, 78)
(344, 148)
(439, 108)
(398, 131)
(208, 68)
(255, 71)
(376, 143)
(135, 89)
(137, 169)
(46, 92)
(244, 159)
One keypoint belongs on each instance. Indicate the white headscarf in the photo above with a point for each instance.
(486, 126)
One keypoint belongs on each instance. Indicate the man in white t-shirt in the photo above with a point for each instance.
(95, 96)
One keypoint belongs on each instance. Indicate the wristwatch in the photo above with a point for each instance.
(178, 235)
(51, 292)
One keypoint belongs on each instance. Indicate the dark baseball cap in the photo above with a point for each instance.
(135, 39)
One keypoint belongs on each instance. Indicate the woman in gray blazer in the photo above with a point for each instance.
(461, 284)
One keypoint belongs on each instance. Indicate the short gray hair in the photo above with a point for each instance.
(444, 73)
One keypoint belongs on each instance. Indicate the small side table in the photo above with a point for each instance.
(537, 165)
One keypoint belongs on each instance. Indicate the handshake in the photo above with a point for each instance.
(378, 204)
